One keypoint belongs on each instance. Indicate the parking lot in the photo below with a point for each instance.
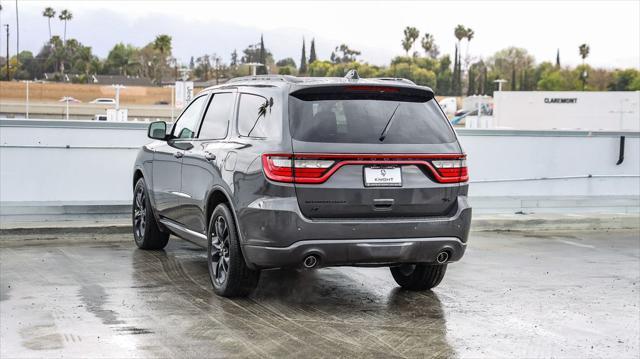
(514, 294)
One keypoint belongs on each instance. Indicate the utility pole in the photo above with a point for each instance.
(17, 36)
(7, 27)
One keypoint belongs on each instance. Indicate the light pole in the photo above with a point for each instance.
(27, 100)
(7, 27)
(66, 100)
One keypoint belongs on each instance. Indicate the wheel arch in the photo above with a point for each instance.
(137, 174)
(219, 195)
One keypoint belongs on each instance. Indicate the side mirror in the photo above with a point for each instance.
(158, 130)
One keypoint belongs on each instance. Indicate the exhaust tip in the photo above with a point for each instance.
(310, 261)
(442, 257)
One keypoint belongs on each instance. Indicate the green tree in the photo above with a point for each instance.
(343, 54)
(234, 58)
(286, 62)
(320, 68)
(312, 52)
(66, 16)
(411, 34)
(625, 80)
(444, 76)
(508, 63)
(429, 45)
(122, 60)
(262, 58)
(49, 13)
(203, 67)
(303, 59)
(162, 43)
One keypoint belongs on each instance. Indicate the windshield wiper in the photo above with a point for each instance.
(383, 135)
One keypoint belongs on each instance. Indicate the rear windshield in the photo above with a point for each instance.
(367, 118)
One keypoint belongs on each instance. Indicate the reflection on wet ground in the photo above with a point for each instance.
(525, 295)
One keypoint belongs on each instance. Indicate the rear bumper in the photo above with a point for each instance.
(275, 234)
(375, 252)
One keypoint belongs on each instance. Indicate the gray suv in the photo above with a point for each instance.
(284, 172)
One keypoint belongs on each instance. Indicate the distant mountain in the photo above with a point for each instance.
(103, 29)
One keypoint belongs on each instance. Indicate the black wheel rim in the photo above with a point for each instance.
(139, 212)
(219, 251)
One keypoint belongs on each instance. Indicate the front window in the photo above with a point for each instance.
(185, 126)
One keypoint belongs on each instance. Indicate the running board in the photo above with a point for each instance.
(185, 233)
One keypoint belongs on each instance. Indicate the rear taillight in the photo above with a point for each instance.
(317, 168)
(284, 168)
(451, 170)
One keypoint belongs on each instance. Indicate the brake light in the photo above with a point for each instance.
(372, 88)
(317, 168)
(452, 170)
(283, 168)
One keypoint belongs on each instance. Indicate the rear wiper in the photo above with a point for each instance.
(383, 135)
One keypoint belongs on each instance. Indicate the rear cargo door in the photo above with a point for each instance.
(373, 152)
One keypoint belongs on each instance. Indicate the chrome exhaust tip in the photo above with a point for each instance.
(442, 257)
(310, 261)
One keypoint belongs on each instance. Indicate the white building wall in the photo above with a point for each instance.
(568, 110)
(91, 162)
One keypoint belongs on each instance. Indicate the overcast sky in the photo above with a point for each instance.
(611, 28)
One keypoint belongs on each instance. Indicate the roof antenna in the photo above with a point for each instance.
(352, 75)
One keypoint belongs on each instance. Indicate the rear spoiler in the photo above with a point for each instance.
(364, 92)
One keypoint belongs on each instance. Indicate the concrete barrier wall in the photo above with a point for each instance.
(84, 162)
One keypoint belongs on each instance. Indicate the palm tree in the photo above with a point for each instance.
(584, 52)
(162, 43)
(65, 15)
(411, 34)
(460, 32)
(428, 43)
(49, 13)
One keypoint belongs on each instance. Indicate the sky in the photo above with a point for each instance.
(611, 28)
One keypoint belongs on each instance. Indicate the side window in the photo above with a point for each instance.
(254, 117)
(216, 119)
(185, 126)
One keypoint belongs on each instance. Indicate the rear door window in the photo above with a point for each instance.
(336, 117)
(216, 120)
(255, 117)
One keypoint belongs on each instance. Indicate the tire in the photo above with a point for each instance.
(146, 232)
(228, 271)
(418, 276)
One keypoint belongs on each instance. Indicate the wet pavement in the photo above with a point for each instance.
(513, 295)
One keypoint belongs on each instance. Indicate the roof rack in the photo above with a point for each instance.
(400, 79)
(285, 78)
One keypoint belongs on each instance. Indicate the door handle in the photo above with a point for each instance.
(178, 154)
(209, 156)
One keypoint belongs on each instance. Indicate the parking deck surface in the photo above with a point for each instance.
(513, 295)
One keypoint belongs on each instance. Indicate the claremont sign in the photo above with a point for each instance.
(560, 100)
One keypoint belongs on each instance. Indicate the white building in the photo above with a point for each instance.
(567, 110)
